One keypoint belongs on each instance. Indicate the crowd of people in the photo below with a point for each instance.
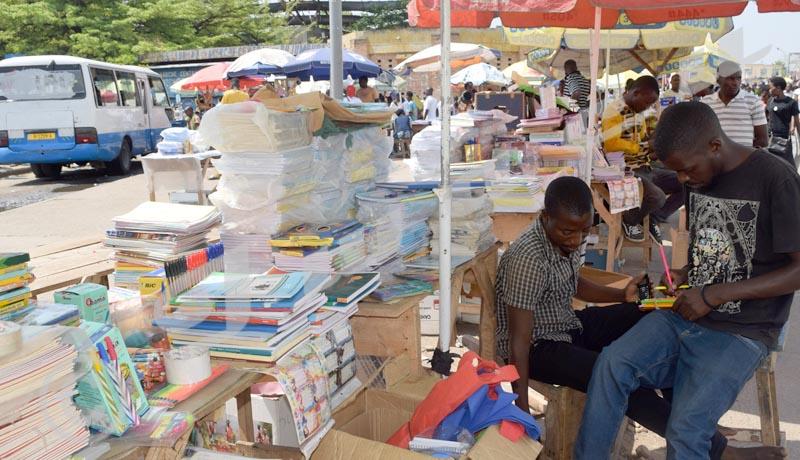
(675, 371)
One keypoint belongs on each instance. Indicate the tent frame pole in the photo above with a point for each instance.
(445, 192)
(591, 129)
(335, 30)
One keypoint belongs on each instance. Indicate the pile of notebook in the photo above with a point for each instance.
(470, 224)
(395, 222)
(517, 194)
(540, 125)
(247, 317)
(246, 252)
(343, 294)
(321, 248)
(37, 416)
(15, 276)
(156, 233)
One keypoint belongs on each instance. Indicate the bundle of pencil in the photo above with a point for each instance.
(657, 304)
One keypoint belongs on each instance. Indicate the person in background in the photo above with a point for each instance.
(402, 125)
(629, 84)
(783, 115)
(743, 210)
(627, 127)
(467, 98)
(576, 86)
(674, 93)
(234, 95)
(741, 113)
(381, 98)
(350, 95)
(409, 107)
(431, 111)
(420, 105)
(191, 118)
(365, 92)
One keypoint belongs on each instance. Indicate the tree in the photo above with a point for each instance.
(392, 15)
(120, 31)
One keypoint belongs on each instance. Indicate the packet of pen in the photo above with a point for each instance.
(110, 394)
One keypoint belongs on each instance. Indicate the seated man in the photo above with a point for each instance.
(402, 125)
(627, 125)
(744, 215)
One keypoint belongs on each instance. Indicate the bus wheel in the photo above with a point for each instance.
(46, 171)
(121, 165)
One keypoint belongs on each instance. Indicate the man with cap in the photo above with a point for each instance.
(740, 112)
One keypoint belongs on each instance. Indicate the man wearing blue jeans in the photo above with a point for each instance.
(743, 207)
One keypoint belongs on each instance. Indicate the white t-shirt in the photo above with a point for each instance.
(431, 104)
(738, 119)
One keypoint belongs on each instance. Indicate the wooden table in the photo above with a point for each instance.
(61, 265)
(616, 240)
(232, 384)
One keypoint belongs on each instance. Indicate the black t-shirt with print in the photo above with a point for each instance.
(745, 225)
(780, 113)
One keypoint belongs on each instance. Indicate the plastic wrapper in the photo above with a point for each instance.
(170, 147)
(265, 163)
(175, 134)
(251, 127)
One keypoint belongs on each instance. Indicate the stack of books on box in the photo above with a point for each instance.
(321, 248)
(15, 276)
(247, 317)
(154, 233)
(470, 224)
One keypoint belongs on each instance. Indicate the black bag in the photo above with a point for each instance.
(782, 148)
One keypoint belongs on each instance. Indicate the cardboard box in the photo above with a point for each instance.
(363, 425)
(610, 279)
(429, 315)
(272, 417)
(91, 300)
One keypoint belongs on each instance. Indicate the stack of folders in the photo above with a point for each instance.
(343, 294)
(38, 419)
(321, 248)
(15, 276)
(155, 233)
(247, 317)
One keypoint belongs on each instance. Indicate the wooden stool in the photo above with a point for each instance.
(768, 396)
(562, 420)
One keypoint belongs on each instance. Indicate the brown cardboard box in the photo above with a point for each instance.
(363, 426)
(611, 279)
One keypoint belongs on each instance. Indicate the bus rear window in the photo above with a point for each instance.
(40, 83)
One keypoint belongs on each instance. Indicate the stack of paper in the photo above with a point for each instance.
(547, 138)
(395, 218)
(38, 419)
(321, 248)
(247, 317)
(14, 279)
(154, 233)
(426, 150)
(246, 252)
(470, 225)
(51, 314)
(517, 194)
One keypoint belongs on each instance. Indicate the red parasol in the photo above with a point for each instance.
(213, 77)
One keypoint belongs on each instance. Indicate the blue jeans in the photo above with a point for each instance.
(705, 368)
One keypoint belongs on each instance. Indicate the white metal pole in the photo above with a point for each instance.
(335, 28)
(445, 192)
(594, 57)
(608, 67)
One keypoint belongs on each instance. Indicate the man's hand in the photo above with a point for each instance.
(690, 304)
(631, 291)
(679, 278)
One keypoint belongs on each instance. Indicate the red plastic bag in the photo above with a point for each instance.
(445, 397)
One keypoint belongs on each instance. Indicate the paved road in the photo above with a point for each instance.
(19, 187)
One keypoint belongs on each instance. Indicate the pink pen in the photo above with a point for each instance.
(666, 266)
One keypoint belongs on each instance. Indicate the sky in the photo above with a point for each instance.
(763, 38)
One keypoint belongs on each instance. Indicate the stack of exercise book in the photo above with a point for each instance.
(343, 293)
(155, 233)
(517, 194)
(247, 317)
(38, 372)
(321, 248)
(15, 276)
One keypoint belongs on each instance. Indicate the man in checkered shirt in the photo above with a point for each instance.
(537, 329)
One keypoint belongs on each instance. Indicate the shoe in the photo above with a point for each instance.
(655, 231)
(633, 233)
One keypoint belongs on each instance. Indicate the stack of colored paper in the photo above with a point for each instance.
(246, 317)
(517, 194)
(14, 279)
(321, 248)
(37, 381)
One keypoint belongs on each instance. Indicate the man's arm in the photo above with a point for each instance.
(520, 323)
(590, 291)
(795, 123)
(761, 137)
(784, 280)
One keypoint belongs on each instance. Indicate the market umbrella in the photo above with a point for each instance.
(317, 63)
(214, 78)
(580, 13)
(478, 74)
(519, 72)
(264, 61)
(461, 55)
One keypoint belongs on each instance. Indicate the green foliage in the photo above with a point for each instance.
(120, 31)
(392, 15)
